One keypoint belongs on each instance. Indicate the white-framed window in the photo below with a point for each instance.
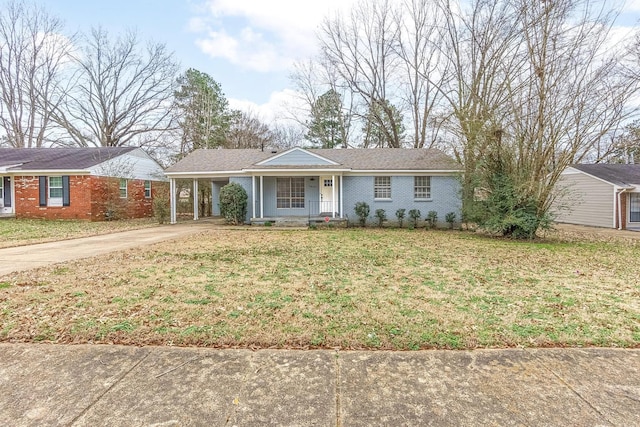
(422, 187)
(55, 191)
(328, 183)
(290, 193)
(147, 189)
(123, 188)
(634, 207)
(382, 187)
(1, 191)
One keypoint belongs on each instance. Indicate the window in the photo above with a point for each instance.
(123, 188)
(422, 187)
(328, 183)
(1, 191)
(55, 191)
(147, 189)
(634, 207)
(382, 187)
(290, 193)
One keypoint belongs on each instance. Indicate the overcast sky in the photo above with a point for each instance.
(247, 46)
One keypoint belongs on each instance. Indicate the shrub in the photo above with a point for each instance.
(415, 214)
(381, 215)
(233, 203)
(450, 218)
(161, 209)
(362, 210)
(432, 219)
(400, 216)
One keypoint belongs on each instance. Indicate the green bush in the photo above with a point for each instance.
(415, 214)
(233, 203)
(432, 219)
(381, 215)
(400, 216)
(450, 218)
(362, 210)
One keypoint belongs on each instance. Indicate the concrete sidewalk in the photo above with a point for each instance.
(32, 256)
(89, 385)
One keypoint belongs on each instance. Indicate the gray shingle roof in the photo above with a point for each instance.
(385, 159)
(58, 158)
(618, 174)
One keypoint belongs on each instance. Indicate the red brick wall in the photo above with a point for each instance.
(90, 198)
(28, 199)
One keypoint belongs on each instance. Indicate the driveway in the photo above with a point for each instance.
(32, 256)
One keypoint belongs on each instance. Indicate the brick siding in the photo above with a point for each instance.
(90, 199)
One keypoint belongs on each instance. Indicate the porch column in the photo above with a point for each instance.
(253, 197)
(195, 199)
(261, 196)
(341, 200)
(172, 199)
(333, 196)
(212, 196)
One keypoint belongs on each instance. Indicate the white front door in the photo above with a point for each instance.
(5, 195)
(326, 194)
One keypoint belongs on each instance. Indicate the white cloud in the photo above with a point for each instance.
(278, 108)
(271, 35)
(631, 6)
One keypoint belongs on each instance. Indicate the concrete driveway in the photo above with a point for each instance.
(32, 256)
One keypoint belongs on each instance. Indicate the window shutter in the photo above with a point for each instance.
(43, 190)
(65, 191)
(7, 192)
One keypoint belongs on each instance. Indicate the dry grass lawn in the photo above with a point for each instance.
(347, 288)
(29, 231)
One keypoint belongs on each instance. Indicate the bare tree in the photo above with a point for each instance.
(121, 92)
(248, 131)
(32, 52)
(361, 49)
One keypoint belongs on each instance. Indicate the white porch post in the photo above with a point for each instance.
(341, 200)
(261, 196)
(195, 199)
(172, 198)
(212, 196)
(333, 196)
(253, 197)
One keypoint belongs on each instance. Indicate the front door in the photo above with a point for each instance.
(326, 195)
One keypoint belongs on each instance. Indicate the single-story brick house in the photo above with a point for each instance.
(599, 195)
(78, 183)
(325, 183)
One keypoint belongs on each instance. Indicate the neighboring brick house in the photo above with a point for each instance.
(599, 195)
(327, 183)
(79, 183)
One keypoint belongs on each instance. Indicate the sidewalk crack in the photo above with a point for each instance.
(576, 392)
(97, 399)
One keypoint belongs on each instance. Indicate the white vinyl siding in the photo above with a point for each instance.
(382, 187)
(585, 200)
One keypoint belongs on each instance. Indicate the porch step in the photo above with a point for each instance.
(7, 216)
(292, 222)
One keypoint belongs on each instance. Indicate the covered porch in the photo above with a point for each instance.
(294, 198)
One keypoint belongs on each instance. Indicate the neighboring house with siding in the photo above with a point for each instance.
(325, 184)
(599, 195)
(78, 183)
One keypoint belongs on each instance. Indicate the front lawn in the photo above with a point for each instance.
(18, 232)
(346, 288)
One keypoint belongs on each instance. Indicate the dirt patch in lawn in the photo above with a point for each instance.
(348, 288)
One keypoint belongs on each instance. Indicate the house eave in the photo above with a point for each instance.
(34, 172)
